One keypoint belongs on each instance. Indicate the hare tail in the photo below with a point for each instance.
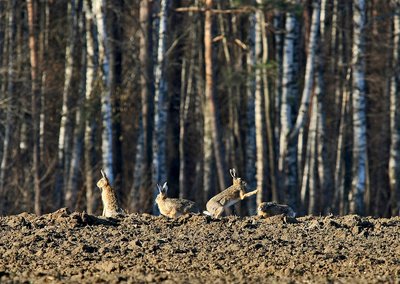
(207, 213)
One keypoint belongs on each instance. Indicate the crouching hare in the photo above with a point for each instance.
(269, 209)
(110, 203)
(233, 194)
(173, 207)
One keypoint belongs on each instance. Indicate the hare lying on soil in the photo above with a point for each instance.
(233, 194)
(269, 209)
(110, 203)
(173, 207)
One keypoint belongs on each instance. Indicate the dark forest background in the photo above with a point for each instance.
(301, 97)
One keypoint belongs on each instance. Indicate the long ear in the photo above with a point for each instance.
(103, 173)
(159, 188)
(165, 187)
(232, 172)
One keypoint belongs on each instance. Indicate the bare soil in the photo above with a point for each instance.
(140, 248)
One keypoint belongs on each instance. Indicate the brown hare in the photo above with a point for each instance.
(233, 194)
(110, 203)
(173, 207)
(269, 209)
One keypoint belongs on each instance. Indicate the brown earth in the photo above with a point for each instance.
(65, 247)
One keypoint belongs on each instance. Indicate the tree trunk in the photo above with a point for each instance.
(356, 197)
(160, 103)
(211, 112)
(394, 160)
(78, 134)
(9, 123)
(64, 151)
(99, 9)
(31, 9)
(142, 191)
(91, 73)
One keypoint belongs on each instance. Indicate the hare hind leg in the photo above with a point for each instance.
(214, 208)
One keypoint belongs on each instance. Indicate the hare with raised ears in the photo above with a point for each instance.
(233, 194)
(110, 203)
(173, 207)
(269, 209)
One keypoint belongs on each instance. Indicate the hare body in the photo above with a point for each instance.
(173, 207)
(108, 197)
(230, 196)
(269, 209)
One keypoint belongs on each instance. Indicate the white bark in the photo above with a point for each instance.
(10, 104)
(309, 76)
(91, 74)
(65, 127)
(160, 103)
(99, 9)
(259, 109)
(356, 197)
(394, 160)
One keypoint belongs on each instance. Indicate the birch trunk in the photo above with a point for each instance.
(287, 152)
(356, 197)
(11, 30)
(259, 110)
(99, 9)
(35, 105)
(65, 124)
(91, 73)
(160, 103)
(394, 160)
(309, 76)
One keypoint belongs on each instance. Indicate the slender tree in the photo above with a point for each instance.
(356, 197)
(35, 89)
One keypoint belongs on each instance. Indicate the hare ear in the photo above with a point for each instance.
(165, 186)
(159, 188)
(233, 172)
(103, 173)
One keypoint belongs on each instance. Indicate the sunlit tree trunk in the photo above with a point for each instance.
(259, 109)
(287, 151)
(160, 103)
(91, 73)
(31, 9)
(64, 150)
(394, 160)
(9, 123)
(99, 9)
(356, 196)
(210, 101)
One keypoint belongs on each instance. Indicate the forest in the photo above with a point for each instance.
(301, 97)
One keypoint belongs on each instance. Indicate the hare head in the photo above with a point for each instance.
(103, 181)
(162, 191)
(237, 181)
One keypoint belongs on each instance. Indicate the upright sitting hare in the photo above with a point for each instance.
(173, 207)
(110, 203)
(233, 194)
(269, 209)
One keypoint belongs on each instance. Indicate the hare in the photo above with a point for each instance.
(269, 209)
(173, 207)
(233, 194)
(110, 203)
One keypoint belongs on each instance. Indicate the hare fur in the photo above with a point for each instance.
(233, 194)
(269, 209)
(108, 197)
(173, 207)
